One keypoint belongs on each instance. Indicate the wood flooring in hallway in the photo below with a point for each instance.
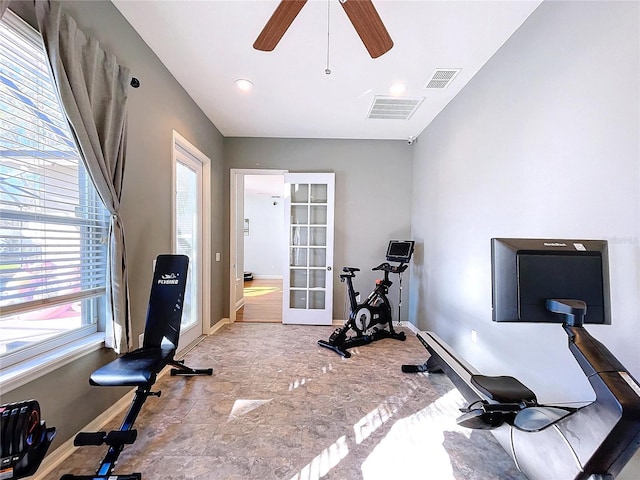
(262, 301)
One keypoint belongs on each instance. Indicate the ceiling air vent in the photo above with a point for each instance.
(442, 77)
(394, 108)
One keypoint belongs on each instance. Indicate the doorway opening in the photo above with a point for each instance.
(256, 246)
(305, 244)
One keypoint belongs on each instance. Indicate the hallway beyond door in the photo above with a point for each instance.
(262, 301)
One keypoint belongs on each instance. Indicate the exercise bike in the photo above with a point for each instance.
(591, 441)
(371, 320)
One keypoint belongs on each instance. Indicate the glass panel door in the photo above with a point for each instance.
(308, 278)
(188, 239)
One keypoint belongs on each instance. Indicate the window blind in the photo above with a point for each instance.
(53, 225)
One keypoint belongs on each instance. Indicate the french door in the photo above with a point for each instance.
(189, 238)
(308, 273)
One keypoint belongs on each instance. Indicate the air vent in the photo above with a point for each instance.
(394, 108)
(442, 77)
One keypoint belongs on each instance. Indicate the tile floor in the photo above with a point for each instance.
(280, 407)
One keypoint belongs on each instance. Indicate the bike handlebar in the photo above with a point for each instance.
(387, 267)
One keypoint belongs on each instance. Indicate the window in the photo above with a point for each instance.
(53, 225)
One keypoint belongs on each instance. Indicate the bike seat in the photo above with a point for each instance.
(503, 389)
(349, 273)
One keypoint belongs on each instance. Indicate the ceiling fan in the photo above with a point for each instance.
(363, 15)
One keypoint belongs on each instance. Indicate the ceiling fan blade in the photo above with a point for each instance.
(278, 24)
(367, 22)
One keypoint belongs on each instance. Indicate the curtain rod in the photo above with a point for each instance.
(135, 83)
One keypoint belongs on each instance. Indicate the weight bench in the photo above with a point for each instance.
(141, 367)
(24, 439)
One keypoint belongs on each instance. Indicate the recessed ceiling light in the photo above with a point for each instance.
(244, 85)
(397, 89)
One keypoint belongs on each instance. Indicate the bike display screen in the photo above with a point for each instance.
(400, 251)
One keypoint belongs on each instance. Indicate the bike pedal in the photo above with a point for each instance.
(334, 335)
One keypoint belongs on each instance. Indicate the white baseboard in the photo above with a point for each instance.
(218, 325)
(239, 304)
(411, 327)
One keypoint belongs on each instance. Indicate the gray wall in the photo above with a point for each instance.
(157, 107)
(372, 197)
(263, 252)
(543, 143)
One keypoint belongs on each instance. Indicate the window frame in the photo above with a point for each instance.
(34, 360)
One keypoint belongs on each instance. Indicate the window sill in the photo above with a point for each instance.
(25, 372)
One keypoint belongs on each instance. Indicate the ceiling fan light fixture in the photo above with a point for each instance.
(244, 84)
(397, 89)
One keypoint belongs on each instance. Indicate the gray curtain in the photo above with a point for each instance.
(93, 90)
(3, 6)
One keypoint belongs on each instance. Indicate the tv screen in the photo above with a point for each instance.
(400, 251)
(527, 272)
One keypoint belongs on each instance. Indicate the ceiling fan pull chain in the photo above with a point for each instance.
(328, 70)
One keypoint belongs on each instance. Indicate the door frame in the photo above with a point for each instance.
(205, 230)
(235, 246)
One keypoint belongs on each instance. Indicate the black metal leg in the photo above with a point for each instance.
(336, 348)
(430, 366)
(414, 368)
(111, 458)
(183, 370)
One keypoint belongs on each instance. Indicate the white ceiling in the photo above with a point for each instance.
(207, 45)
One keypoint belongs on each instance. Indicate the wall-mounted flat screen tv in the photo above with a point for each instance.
(526, 272)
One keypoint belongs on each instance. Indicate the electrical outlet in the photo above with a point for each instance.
(217, 256)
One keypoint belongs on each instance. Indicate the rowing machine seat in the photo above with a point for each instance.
(503, 389)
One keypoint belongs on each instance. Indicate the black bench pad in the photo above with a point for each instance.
(503, 389)
(135, 369)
